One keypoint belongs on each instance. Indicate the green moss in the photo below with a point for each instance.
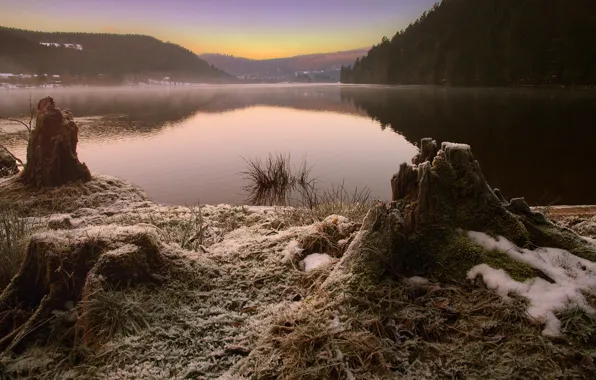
(550, 235)
(454, 254)
(517, 270)
(456, 257)
(494, 221)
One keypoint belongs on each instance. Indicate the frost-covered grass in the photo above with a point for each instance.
(114, 312)
(102, 190)
(186, 328)
(584, 226)
(408, 330)
(245, 308)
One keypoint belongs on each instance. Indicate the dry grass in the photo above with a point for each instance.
(338, 201)
(433, 332)
(580, 327)
(14, 231)
(115, 312)
(189, 231)
(274, 182)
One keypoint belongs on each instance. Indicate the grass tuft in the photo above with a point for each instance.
(188, 231)
(274, 181)
(14, 231)
(109, 313)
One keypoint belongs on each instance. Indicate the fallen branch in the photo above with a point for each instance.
(12, 155)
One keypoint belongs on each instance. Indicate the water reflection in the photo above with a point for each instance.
(146, 110)
(184, 143)
(202, 157)
(534, 143)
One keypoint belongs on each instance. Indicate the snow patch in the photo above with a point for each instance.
(67, 46)
(291, 251)
(450, 145)
(572, 277)
(316, 260)
(417, 281)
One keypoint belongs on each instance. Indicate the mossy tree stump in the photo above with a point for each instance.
(52, 150)
(438, 197)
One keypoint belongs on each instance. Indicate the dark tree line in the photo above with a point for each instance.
(105, 54)
(488, 42)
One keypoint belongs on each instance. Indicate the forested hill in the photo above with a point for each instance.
(290, 65)
(90, 55)
(488, 42)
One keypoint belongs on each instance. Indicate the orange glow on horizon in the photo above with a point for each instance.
(251, 44)
(257, 30)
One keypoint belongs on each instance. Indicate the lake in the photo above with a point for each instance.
(185, 144)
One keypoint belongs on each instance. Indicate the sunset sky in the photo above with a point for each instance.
(248, 28)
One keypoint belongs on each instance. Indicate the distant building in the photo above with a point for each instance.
(67, 46)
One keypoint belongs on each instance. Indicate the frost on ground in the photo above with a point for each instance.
(316, 260)
(191, 328)
(583, 226)
(251, 311)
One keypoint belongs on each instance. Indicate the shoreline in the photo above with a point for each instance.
(561, 211)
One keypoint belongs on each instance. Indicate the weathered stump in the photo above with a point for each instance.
(377, 250)
(71, 266)
(438, 197)
(444, 193)
(52, 151)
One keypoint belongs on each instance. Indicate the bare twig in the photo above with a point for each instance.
(17, 121)
(28, 126)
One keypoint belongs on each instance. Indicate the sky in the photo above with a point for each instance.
(246, 28)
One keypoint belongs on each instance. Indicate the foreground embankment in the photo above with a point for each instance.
(116, 286)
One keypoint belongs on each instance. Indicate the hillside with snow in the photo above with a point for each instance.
(109, 57)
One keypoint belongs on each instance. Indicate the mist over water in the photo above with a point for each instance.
(182, 145)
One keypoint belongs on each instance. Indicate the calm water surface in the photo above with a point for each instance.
(187, 144)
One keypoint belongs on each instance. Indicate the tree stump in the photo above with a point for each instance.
(71, 266)
(444, 193)
(436, 199)
(376, 251)
(52, 150)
